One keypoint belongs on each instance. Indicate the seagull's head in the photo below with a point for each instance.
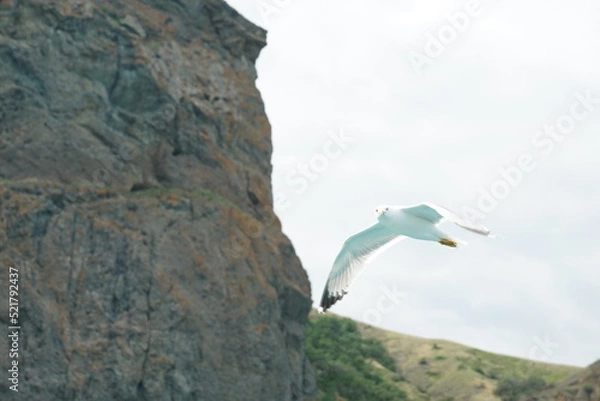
(381, 210)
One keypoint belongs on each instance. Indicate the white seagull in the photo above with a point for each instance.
(394, 224)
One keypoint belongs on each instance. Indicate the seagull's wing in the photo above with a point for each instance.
(436, 213)
(356, 252)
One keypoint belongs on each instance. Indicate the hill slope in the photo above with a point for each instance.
(582, 386)
(426, 369)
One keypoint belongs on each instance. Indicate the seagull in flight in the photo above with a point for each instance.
(394, 223)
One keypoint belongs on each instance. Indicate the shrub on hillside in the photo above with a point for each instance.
(342, 360)
(512, 388)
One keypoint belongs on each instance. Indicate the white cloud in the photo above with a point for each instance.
(442, 136)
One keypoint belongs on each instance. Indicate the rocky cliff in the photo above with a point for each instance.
(136, 205)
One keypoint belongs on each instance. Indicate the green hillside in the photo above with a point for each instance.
(357, 362)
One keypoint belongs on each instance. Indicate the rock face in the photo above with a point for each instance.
(136, 204)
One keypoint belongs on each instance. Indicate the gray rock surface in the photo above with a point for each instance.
(135, 200)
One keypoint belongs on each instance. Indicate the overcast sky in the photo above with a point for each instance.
(490, 108)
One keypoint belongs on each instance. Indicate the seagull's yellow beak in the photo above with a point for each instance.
(381, 210)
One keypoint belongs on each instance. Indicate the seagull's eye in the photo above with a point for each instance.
(386, 209)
